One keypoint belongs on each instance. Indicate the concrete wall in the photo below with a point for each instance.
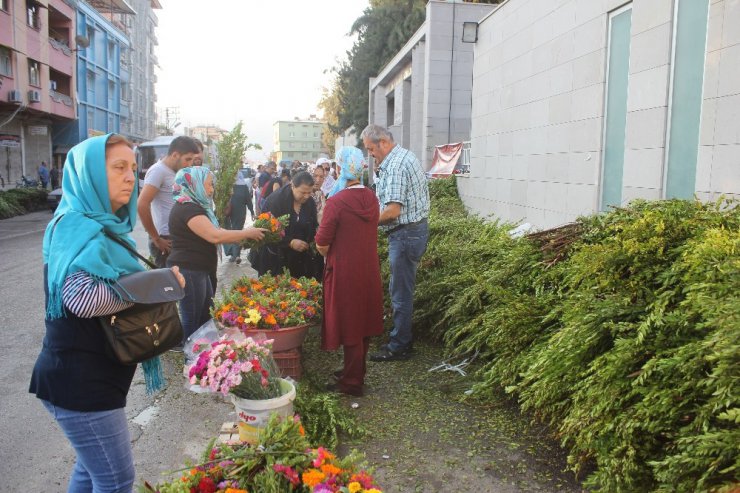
(538, 91)
(430, 82)
(448, 75)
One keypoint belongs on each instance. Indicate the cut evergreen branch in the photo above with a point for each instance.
(621, 331)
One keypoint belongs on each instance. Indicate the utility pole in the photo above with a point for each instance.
(171, 119)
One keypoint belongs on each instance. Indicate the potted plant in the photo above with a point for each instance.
(246, 370)
(280, 307)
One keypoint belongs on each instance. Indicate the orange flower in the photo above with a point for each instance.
(304, 294)
(264, 215)
(240, 319)
(330, 469)
(302, 430)
(312, 477)
(234, 490)
(283, 305)
(270, 319)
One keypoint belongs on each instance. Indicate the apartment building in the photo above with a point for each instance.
(99, 47)
(37, 82)
(298, 139)
(138, 65)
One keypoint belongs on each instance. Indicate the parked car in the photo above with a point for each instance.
(53, 198)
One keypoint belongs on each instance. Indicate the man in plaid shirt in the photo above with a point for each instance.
(403, 194)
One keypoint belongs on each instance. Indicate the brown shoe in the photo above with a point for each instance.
(336, 387)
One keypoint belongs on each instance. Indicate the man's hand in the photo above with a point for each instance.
(390, 213)
(298, 245)
(162, 245)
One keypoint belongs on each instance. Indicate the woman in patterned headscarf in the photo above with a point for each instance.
(195, 232)
(353, 295)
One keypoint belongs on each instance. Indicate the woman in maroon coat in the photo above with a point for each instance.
(353, 295)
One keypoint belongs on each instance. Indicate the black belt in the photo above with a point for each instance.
(401, 226)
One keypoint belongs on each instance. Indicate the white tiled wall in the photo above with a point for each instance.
(718, 166)
(538, 102)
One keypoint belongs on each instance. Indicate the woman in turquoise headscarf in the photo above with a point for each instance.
(353, 295)
(195, 232)
(74, 376)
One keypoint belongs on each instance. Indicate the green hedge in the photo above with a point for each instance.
(17, 201)
(621, 331)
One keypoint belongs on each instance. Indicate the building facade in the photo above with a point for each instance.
(138, 77)
(209, 135)
(423, 95)
(99, 48)
(298, 140)
(37, 82)
(580, 105)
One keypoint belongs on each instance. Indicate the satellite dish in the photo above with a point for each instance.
(82, 41)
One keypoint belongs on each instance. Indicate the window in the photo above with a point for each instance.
(689, 46)
(90, 87)
(111, 94)
(292, 134)
(4, 5)
(34, 73)
(90, 120)
(6, 65)
(615, 120)
(32, 14)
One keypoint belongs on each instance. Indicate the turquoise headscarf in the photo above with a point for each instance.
(352, 162)
(74, 239)
(189, 186)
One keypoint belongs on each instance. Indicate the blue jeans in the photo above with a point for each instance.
(101, 440)
(195, 307)
(405, 249)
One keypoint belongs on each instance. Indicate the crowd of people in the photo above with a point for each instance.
(331, 235)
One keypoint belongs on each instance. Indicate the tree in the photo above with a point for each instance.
(231, 151)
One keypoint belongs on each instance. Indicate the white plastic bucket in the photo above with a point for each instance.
(252, 415)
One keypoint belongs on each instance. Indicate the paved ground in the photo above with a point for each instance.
(421, 437)
(166, 429)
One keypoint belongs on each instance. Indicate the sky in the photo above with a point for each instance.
(258, 61)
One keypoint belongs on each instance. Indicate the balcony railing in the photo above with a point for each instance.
(58, 45)
(61, 98)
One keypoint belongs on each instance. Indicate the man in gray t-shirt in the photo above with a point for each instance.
(155, 199)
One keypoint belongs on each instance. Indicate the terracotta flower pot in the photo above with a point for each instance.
(284, 339)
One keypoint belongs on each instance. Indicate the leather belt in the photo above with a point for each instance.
(401, 226)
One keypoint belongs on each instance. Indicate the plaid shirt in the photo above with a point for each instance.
(401, 179)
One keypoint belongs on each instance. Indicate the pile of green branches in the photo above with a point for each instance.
(621, 331)
(17, 201)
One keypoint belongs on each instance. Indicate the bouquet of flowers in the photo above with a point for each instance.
(275, 229)
(284, 461)
(244, 368)
(270, 302)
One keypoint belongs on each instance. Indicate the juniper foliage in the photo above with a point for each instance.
(629, 346)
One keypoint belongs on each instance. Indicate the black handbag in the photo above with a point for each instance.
(150, 327)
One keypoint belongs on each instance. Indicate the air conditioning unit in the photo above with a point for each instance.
(34, 96)
(15, 96)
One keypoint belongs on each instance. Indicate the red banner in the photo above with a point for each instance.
(445, 158)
